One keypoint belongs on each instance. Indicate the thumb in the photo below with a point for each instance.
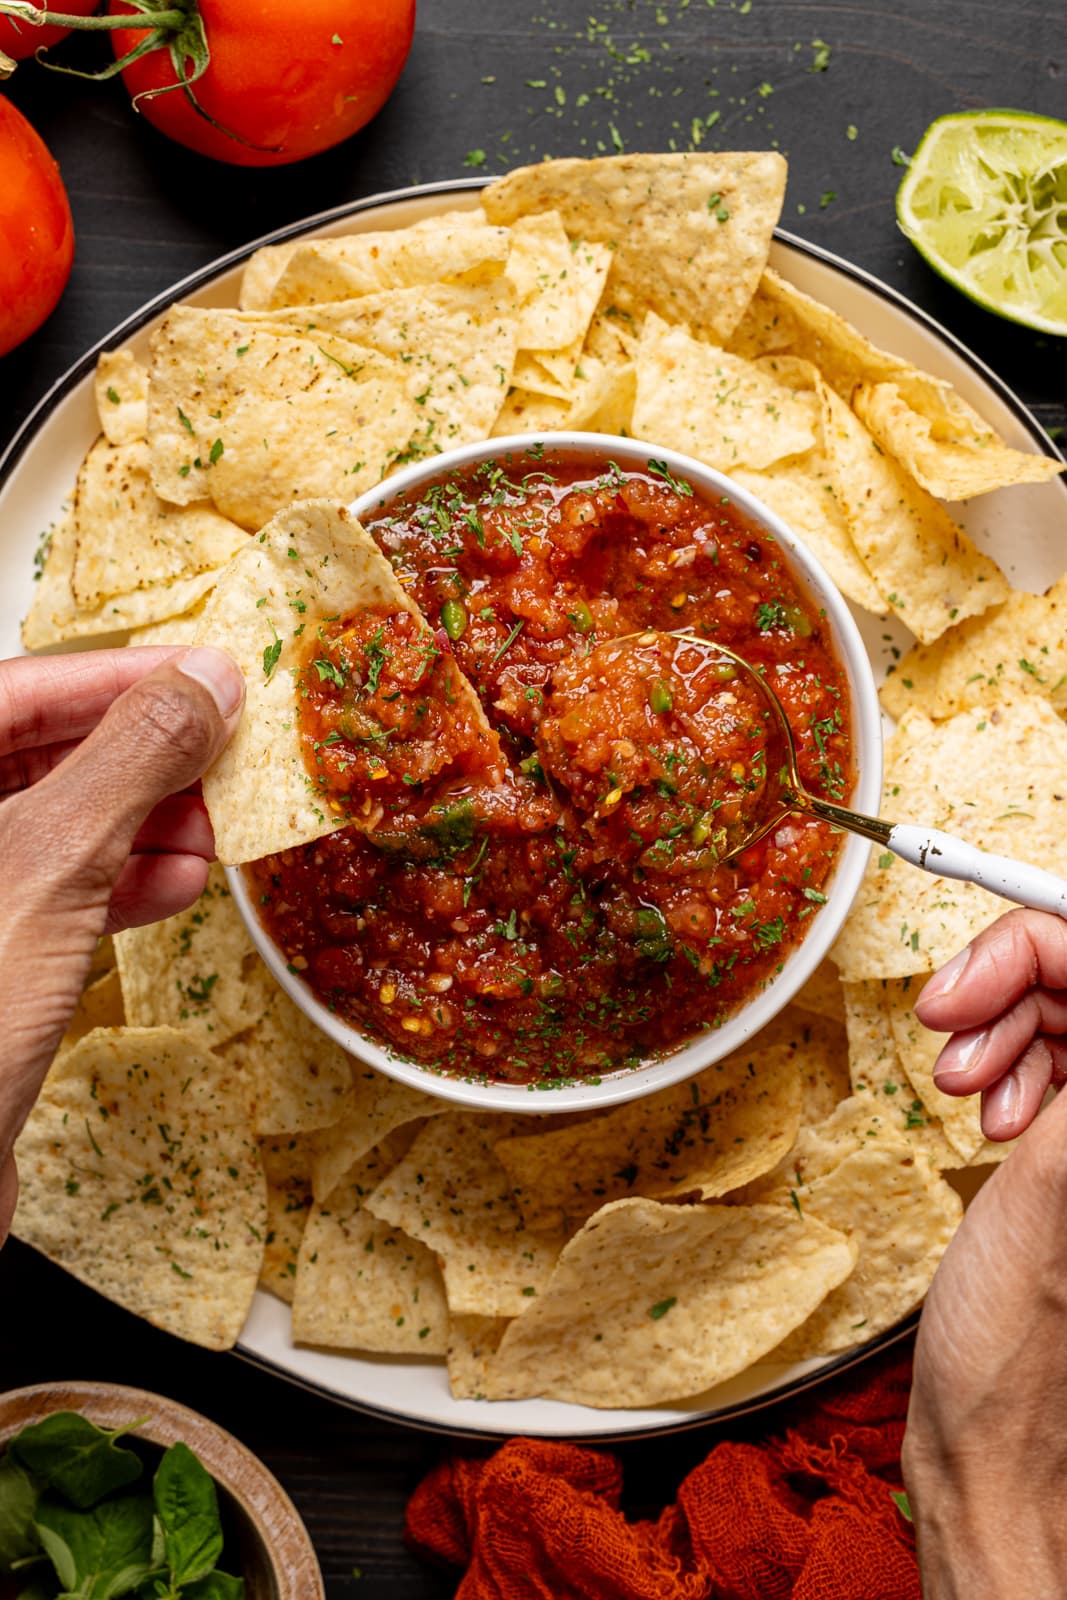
(155, 739)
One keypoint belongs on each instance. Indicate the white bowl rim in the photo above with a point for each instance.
(704, 1049)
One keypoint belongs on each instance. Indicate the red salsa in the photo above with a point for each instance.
(663, 745)
(384, 717)
(577, 915)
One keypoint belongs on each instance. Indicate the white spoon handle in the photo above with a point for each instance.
(940, 853)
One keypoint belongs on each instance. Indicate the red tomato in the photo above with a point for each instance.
(20, 40)
(289, 77)
(36, 233)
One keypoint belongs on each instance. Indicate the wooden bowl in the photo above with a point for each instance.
(277, 1560)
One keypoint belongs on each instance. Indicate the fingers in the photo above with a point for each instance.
(179, 826)
(1004, 1000)
(51, 699)
(153, 741)
(151, 887)
(976, 1058)
(1017, 952)
(21, 769)
(1011, 1104)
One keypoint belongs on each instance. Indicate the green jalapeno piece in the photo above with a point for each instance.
(454, 618)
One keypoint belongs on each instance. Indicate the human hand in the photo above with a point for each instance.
(1004, 1000)
(98, 830)
(985, 1454)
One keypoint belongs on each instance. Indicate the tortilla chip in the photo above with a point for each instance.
(449, 247)
(857, 1123)
(374, 1107)
(286, 1166)
(717, 210)
(557, 283)
(99, 1006)
(472, 1343)
(651, 1303)
(56, 618)
(704, 1137)
(911, 683)
(899, 1215)
(121, 389)
(920, 419)
(453, 347)
(602, 401)
(727, 412)
(1019, 647)
(368, 263)
(361, 1284)
(782, 317)
(451, 1193)
(822, 994)
(192, 969)
(923, 562)
(298, 1077)
(801, 489)
(879, 1082)
(818, 1055)
(174, 630)
(994, 776)
(254, 417)
(52, 593)
(951, 469)
(127, 539)
(311, 562)
(139, 1174)
(613, 335)
(102, 960)
(960, 1116)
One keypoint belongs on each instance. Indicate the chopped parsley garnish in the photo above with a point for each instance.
(329, 672)
(660, 469)
(271, 654)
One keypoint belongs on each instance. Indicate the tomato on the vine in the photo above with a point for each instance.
(19, 40)
(285, 78)
(36, 232)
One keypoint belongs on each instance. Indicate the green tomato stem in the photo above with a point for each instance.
(22, 11)
(178, 29)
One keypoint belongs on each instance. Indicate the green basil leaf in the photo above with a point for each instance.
(98, 1554)
(188, 1508)
(216, 1586)
(18, 1502)
(76, 1458)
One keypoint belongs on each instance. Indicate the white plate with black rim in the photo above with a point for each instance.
(1024, 529)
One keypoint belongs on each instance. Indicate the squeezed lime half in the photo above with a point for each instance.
(985, 201)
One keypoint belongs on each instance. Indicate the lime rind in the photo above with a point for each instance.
(985, 202)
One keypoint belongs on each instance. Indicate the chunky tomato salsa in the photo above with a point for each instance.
(383, 717)
(582, 912)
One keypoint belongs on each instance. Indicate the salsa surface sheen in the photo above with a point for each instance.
(538, 930)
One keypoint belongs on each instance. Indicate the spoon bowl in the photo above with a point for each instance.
(930, 849)
(785, 793)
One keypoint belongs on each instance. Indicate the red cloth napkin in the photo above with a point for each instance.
(808, 1516)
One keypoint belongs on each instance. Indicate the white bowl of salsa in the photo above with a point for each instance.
(569, 937)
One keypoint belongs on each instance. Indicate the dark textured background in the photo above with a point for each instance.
(147, 213)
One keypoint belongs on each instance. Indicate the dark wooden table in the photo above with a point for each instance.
(483, 78)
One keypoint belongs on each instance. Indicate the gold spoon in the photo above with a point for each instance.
(791, 796)
(933, 850)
